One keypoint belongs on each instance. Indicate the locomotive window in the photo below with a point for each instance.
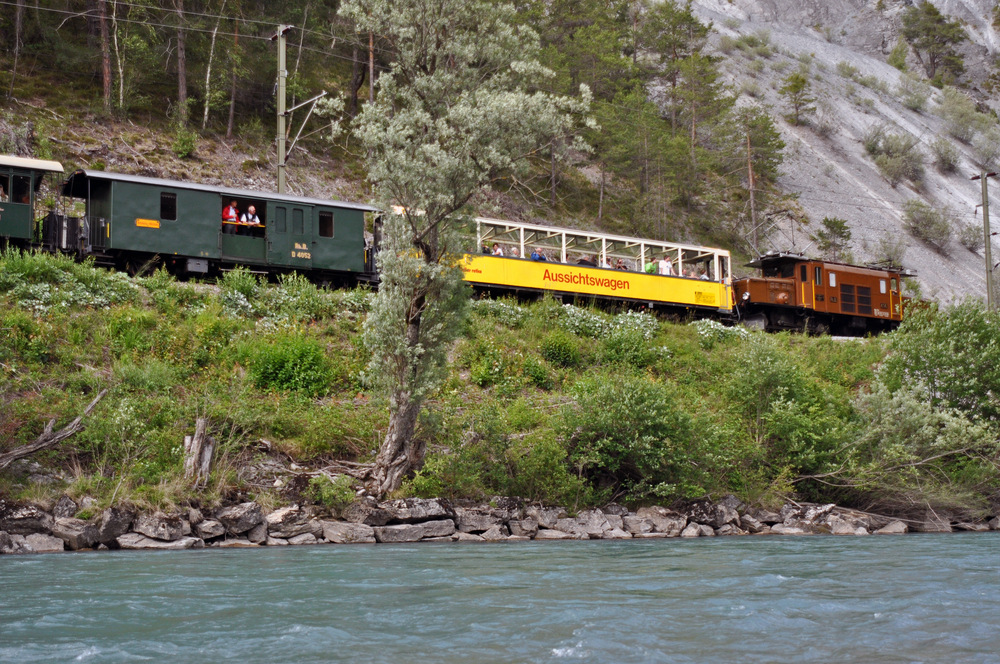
(881, 286)
(833, 280)
(4, 187)
(326, 224)
(297, 226)
(168, 206)
(280, 225)
(803, 274)
(818, 276)
(895, 287)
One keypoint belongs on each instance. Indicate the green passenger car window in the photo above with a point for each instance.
(168, 206)
(280, 223)
(297, 227)
(326, 224)
(21, 189)
(4, 187)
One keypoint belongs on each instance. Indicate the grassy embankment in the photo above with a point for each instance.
(549, 402)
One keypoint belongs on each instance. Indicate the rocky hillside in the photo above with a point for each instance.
(844, 46)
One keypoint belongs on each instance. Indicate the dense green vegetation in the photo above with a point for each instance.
(551, 402)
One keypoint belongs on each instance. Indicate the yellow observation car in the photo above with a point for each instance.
(527, 258)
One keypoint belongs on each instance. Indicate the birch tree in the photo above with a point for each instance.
(453, 115)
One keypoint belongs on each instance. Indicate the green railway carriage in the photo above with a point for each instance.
(20, 180)
(132, 219)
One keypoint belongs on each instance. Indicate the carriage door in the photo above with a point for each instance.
(289, 236)
(806, 287)
(16, 217)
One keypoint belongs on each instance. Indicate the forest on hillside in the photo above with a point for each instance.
(670, 153)
(673, 153)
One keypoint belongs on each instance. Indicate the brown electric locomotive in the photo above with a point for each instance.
(796, 293)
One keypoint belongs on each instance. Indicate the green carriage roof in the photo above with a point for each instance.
(76, 186)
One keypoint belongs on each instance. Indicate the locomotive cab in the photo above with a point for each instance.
(797, 293)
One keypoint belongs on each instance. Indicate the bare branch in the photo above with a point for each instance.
(49, 439)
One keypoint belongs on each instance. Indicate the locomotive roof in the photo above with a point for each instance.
(75, 186)
(31, 164)
(779, 258)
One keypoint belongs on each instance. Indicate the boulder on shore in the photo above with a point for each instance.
(77, 533)
(25, 520)
(340, 532)
(139, 541)
(238, 519)
(414, 532)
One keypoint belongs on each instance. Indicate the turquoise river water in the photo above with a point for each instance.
(917, 598)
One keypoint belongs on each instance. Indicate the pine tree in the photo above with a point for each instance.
(933, 38)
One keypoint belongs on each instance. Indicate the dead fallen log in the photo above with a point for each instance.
(49, 438)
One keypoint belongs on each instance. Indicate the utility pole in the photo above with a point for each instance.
(282, 74)
(987, 249)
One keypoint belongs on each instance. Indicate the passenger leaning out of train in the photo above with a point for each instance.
(230, 214)
(537, 255)
(665, 268)
(251, 220)
(497, 251)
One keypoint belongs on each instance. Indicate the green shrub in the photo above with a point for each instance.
(561, 349)
(897, 57)
(960, 114)
(971, 237)
(537, 373)
(505, 311)
(185, 142)
(628, 348)
(946, 155)
(986, 147)
(896, 155)
(913, 93)
(334, 494)
(291, 362)
(626, 432)
(711, 333)
(927, 224)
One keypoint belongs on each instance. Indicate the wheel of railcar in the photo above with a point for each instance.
(756, 321)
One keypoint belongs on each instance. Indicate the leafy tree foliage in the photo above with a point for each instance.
(954, 354)
(452, 116)
(933, 38)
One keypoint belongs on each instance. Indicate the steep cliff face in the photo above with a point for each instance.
(844, 44)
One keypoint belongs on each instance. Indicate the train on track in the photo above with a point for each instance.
(130, 222)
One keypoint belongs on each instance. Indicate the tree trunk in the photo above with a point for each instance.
(18, 34)
(232, 95)
(208, 68)
(600, 200)
(399, 453)
(182, 91)
(358, 76)
(105, 55)
(552, 180)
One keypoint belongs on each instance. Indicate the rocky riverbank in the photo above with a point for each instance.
(31, 529)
